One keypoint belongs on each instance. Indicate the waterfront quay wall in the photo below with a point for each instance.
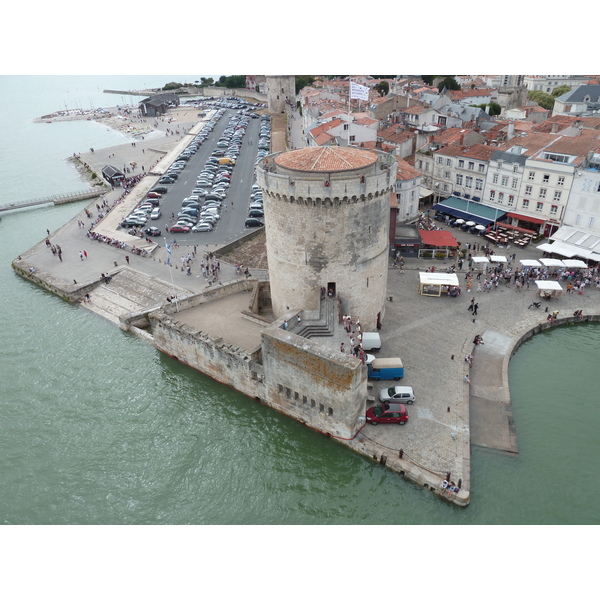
(313, 383)
(231, 365)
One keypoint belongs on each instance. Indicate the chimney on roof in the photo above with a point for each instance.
(554, 128)
(511, 131)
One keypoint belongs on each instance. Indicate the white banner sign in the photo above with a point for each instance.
(361, 92)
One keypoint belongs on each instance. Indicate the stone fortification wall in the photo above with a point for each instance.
(314, 384)
(279, 89)
(223, 362)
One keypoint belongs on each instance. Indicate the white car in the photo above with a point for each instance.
(202, 227)
(155, 214)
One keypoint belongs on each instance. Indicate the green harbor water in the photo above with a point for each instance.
(98, 427)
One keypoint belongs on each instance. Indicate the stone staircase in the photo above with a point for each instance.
(128, 291)
(323, 326)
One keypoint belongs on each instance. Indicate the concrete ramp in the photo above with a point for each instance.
(490, 412)
(128, 291)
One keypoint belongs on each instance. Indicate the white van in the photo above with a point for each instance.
(371, 341)
(155, 214)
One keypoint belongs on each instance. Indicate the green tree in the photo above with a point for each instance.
(560, 90)
(303, 81)
(207, 81)
(383, 87)
(232, 81)
(449, 83)
(172, 86)
(542, 99)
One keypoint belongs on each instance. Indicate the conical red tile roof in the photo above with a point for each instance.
(325, 159)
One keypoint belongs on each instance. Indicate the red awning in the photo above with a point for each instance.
(527, 218)
(438, 238)
(521, 229)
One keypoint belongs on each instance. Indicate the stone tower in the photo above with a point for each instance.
(327, 214)
(279, 89)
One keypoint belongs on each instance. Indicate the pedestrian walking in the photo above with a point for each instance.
(81, 255)
(127, 258)
(475, 307)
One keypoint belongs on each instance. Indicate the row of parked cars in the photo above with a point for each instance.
(200, 212)
(392, 400)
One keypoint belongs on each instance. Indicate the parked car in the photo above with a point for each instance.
(398, 393)
(166, 179)
(155, 214)
(256, 213)
(253, 222)
(152, 194)
(160, 190)
(152, 231)
(202, 227)
(387, 413)
(179, 229)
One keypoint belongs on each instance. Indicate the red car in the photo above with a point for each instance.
(178, 229)
(153, 195)
(387, 413)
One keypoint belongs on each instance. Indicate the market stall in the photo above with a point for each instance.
(549, 289)
(436, 284)
(552, 262)
(498, 258)
(530, 263)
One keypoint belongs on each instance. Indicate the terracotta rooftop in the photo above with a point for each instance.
(327, 159)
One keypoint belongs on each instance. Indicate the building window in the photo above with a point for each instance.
(501, 198)
(321, 408)
(481, 168)
(492, 194)
(516, 168)
(561, 180)
(525, 203)
(542, 193)
(554, 209)
(511, 200)
(427, 166)
(545, 178)
(479, 184)
(447, 174)
(531, 175)
(420, 164)
(330, 411)
(495, 178)
(459, 179)
(557, 195)
(469, 182)
(471, 166)
(448, 162)
(504, 180)
(528, 190)
(515, 183)
(539, 207)
(440, 160)
(461, 164)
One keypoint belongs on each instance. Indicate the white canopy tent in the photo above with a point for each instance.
(436, 284)
(574, 264)
(530, 263)
(480, 260)
(498, 258)
(552, 262)
(549, 288)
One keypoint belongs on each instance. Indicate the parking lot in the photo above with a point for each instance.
(206, 194)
